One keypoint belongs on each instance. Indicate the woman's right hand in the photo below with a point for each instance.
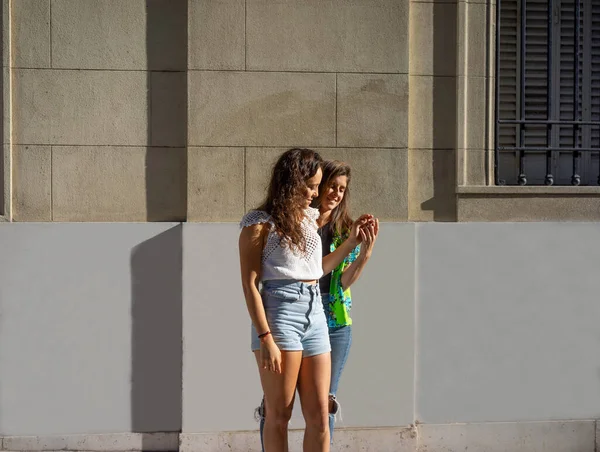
(270, 355)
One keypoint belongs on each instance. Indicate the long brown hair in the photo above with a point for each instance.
(340, 219)
(287, 193)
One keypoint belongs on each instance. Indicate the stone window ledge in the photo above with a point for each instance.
(528, 190)
(534, 203)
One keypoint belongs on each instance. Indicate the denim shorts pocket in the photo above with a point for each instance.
(284, 294)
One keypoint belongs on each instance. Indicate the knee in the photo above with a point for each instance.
(278, 416)
(317, 419)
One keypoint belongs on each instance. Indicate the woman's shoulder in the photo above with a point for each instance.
(312, 213)
(255, 217)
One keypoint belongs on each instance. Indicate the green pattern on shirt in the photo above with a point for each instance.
(340, 301)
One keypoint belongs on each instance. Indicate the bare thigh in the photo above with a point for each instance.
(313, 387)
(280, 389)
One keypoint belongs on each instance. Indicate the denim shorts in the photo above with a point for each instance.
(296, 318)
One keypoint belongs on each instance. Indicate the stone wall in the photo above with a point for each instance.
(174, 110)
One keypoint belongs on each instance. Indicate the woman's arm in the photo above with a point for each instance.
(251, 241)
(354, 270)
(251, 247)
(332, 260)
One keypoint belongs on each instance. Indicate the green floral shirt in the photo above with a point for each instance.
(340, 301)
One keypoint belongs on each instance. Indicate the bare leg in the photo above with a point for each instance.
(313, 388)
(279, 390)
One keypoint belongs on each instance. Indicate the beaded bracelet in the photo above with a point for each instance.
(260, 336)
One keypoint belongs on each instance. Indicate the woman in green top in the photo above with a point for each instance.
(334, 224)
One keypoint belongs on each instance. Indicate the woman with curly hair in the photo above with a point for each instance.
(281, 248)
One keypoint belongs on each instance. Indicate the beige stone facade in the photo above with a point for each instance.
(160, 110)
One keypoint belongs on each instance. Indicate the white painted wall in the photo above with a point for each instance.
(92, 318)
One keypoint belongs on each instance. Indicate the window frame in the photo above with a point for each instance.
(554, 149)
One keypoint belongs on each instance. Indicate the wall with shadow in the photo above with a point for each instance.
(156, 333)
(90, 328)
(166, 158)
(443, 202)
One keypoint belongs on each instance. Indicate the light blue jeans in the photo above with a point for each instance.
(340, 339)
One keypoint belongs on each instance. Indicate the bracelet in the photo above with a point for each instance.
(261, 336)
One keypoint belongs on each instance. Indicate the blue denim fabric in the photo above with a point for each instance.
(296, 318)
(341, 340)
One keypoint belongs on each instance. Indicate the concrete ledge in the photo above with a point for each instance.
(397, 439)
(101, 442)
(552, 436)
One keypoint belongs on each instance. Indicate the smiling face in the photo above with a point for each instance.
(334, 193)
(312, 187)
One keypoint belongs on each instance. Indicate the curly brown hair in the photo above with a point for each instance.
(341, 221)
(286, 194)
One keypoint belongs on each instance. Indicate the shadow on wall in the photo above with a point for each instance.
(166, 155)
(156, 287)
(443, 203)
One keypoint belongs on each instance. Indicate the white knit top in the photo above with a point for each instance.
(282, 262)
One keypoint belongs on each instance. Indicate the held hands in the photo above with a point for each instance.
(368, 235)
(270, 355)
(355, 236)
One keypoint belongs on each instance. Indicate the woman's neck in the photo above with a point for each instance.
(324, 218)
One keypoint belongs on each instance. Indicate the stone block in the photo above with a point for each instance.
(261, 109)
(379, 181)
(6, 34)
(474, 166)
(432, 109)
(215, 184)
(372, 110)
(433, 37)
(104, 34)
(473, 44)
(168, 116)
(80, 107)
(474, 113)
(217, 34)
(479, 110)
(551, 436)
(30, 33)
(332, 36)
(547, 205)
(432, 185)
(32, 173)
(259, 166)
(6, 105)
(379, 178)
(118, 183)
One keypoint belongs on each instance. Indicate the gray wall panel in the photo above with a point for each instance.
(507, 322)
(78, 316)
